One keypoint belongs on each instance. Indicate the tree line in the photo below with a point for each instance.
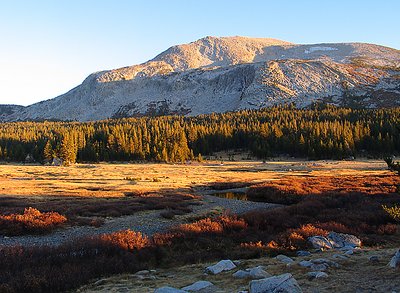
(329, 132)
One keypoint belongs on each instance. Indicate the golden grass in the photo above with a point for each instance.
(109, 180)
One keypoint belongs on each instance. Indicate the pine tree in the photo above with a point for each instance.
(68, 150)
(48, 152)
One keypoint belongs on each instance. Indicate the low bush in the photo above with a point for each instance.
(31, 221)
(393, 212)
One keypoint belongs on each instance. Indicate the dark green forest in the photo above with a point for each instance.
(315, 133)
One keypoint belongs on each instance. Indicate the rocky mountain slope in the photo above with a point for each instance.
(8, 110)
(231, 73)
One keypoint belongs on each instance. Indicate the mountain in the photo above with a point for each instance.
(230, 73)
(8, 110)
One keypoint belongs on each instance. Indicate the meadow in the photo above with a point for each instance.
(315, 197)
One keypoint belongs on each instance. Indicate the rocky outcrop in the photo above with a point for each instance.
(335, 240)
(9, 110)
(229, 74)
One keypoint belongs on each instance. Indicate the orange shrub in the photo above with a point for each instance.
(218, 225)
(202, 226)
(32, 220)
(127, 239)
(253, 245)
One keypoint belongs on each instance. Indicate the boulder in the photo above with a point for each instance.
(395, 261)
(374, 258)
(303, 253)
(284, 283)
(319, 267)
(223, 265)
(285, 259)
(240, 274)
(340, 256)
(339, 240)
(320, 242)
(252, 273)
(317, 275)
(200, 287)
(169, 290)
(258, 273)
(325, 261)
(305, 263)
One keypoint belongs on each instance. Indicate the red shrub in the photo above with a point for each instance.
(32, 220)
(127, 239)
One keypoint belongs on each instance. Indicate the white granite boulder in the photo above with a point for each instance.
(201, 287)
(341, 240)
(285, 259)
(335, 240)
(284, 283)
(223, 265)
(252, 273)
(320, 242)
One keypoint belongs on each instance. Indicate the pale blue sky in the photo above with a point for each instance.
(48, 47)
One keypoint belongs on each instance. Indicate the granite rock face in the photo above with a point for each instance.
(227, 74)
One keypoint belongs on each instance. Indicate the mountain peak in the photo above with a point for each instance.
(218, 74)
(216, 51)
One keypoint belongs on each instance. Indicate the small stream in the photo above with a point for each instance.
(231, 195)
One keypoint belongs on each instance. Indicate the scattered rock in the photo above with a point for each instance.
(395, 261)
(240, 274)
(319, 267)
(200, 287)
(349, 252)
(340, 256)
(374, 258)
(223, 265)
(285, 259)
(320, 242)
(303, 253)
(283, 284)
(252, 273)
(169, 290)
(258, 273)
(325, 261)
(317, 275)
(305, 263)
(237, 262)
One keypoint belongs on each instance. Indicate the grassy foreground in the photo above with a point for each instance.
(348, 201)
